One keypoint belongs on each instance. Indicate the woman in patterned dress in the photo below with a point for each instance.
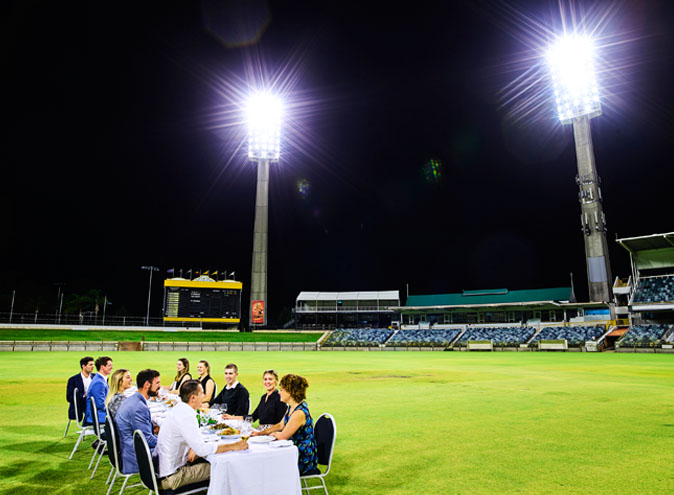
(297, 425)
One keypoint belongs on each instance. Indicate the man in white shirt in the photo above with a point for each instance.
(180, 443)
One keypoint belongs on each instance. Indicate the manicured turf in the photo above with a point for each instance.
(408, 422)
(154, 336)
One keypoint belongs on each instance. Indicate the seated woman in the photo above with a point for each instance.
(207, 383)
(297, 424)
(183, 367)
(270, 410)
(120, 382)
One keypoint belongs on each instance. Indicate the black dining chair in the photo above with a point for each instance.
(115, 456)
(83, 430)
(148, 476)
(325, 431)
(100, 448)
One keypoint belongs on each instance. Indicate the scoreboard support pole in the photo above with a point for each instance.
(258, 280)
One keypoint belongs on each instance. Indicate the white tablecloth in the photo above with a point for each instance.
(261, 470)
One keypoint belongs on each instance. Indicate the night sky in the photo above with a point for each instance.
(124, 145)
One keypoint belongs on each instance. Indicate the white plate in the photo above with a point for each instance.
(228, 437)
(281, 443)
(261, 439)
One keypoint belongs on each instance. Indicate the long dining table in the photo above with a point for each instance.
(266, 468)
(263, 469)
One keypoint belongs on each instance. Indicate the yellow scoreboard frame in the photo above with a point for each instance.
(198, 284)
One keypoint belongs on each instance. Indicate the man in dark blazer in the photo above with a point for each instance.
(133, 415)
(80, 382)
(234, 394)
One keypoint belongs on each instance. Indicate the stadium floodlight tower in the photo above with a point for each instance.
(264, 147)
(571, 62)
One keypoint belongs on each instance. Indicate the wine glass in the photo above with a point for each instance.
(246, 428)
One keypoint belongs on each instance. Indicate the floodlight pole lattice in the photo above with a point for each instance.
(592, 218)
(258, 278)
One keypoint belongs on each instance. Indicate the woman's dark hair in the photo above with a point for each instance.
(296, 386)
(208, 366)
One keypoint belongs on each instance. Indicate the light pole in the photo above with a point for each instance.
(149, 291)
(264, 147)
(571, 62)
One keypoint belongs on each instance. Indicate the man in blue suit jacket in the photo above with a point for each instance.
(134, 414)
(80, 382)
(99, 390)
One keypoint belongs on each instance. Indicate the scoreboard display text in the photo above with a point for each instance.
(187, 300)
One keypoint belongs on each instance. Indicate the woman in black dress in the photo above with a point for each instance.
(207, 383)
(183, 374)
(270, 410)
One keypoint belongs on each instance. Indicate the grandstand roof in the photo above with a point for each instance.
(494, 296)
(650, 251)
(647, 242)
(382, 295)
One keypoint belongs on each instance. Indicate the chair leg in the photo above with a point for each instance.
(124, 485)
(113, 470)
(99, 460)
(67, 426)
(325, 488)
(77, 444)
(91, 463)
(113, 481)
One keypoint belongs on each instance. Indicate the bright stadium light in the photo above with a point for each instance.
(571, 62)
(263, 114)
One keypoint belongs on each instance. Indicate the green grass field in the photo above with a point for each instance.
(408, 422)
(154, 336)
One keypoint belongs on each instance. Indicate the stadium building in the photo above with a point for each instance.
(329, 310)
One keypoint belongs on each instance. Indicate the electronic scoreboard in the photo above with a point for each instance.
(196, 300)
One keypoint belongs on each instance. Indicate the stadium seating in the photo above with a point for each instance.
(654, 290)
(423, 338)
(501, 336)
(575, 336)
(358, 337)
(643, 336)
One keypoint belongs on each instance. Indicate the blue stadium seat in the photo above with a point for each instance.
(500, 336)
(575, 336)
(358, 337)
(643, 336)
(423, 338)
(654, 290)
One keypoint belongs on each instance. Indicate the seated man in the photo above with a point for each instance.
(180, 442)
(134, 415)
(81, 382)
(99, 390)
(234, 394)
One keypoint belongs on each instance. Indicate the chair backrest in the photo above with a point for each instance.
(77, 409)
(144, 460)
(325, 431)
(113, 442)
(94, 417)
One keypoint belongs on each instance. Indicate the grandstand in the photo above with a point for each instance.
(329, 310)
(649, 292)
(424, 338)
(499, 336)
(575, 336)
(647, 336)
(499, 307)
(358, 337)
